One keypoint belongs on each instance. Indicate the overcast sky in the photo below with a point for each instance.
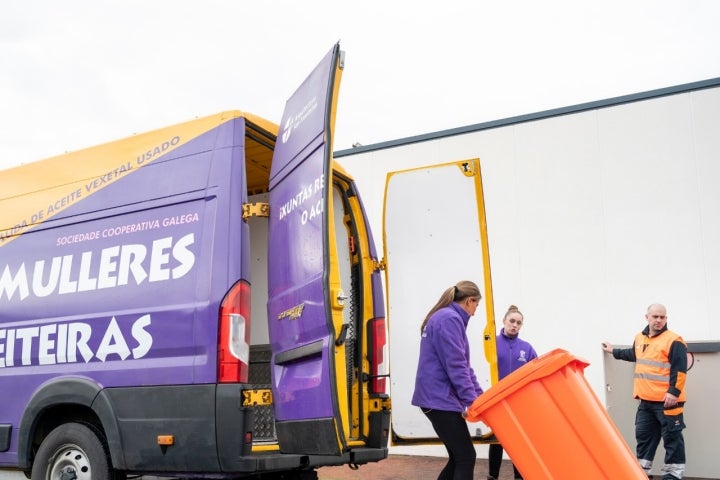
(75, 73)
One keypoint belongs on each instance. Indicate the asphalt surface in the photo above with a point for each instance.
(395, 467)
(406, 467)
(411, 467)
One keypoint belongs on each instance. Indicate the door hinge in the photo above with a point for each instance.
(379, 265)
(380, 404)
(255, 210)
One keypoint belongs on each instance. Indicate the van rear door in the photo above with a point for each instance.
(306, 298)
(433, 216)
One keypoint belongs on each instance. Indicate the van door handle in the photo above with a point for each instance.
(342, 335)
(341, 297)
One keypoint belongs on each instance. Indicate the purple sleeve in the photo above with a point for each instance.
(454, 354)
(533, 354)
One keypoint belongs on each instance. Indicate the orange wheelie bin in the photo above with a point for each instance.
(552, 425)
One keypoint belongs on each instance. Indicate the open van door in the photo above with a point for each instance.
(433, 216)
(306, 298)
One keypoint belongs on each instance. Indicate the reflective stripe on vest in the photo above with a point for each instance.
(652, 367)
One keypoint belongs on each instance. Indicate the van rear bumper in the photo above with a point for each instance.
(212, 433)
(236, 456)
(269, 462)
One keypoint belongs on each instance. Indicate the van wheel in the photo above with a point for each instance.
(72, 451)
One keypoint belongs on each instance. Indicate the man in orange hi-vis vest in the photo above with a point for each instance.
(660, 357)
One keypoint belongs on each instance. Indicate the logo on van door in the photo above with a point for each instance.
(294, 121)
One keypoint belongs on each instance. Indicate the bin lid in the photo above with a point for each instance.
(543, 366)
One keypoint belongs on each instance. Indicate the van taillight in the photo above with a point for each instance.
(234, 335)
(378, 346)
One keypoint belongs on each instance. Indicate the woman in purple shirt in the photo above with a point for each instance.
(445, 383)
(512, 353)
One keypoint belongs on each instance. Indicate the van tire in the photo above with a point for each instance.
(73, 451)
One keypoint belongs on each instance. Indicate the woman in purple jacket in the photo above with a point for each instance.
(512, 353)
(445, 383)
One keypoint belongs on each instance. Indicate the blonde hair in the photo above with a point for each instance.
(460, 291)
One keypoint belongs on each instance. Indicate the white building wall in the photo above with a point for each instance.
(591, 216)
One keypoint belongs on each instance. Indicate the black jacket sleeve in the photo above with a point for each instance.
(627, 354)
(678, 367)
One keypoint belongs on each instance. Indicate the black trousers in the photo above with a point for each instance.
(453, 431)
(495, 453)
(651, 425)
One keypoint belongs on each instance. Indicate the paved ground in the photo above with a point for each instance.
(410, 467)
(395, 467)
(406, 467)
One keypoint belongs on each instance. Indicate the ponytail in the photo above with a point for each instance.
(457, 293)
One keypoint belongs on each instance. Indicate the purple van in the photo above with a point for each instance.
(200, 301)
